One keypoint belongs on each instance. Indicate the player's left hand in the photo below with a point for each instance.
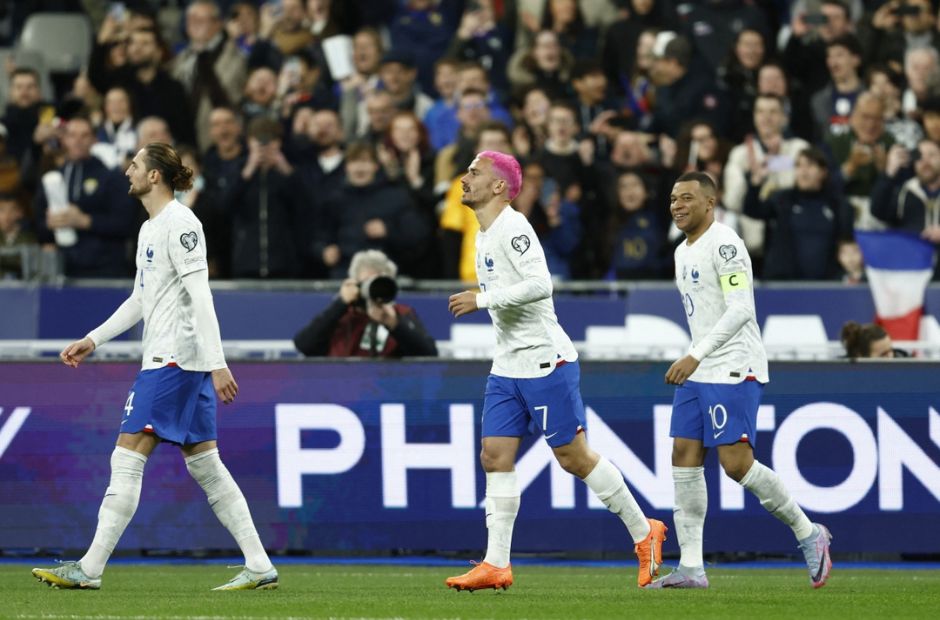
(462, 303)
(681, 370)
(224, 384)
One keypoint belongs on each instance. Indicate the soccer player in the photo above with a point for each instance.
(535, 377)
(719, 385)
(173, 398)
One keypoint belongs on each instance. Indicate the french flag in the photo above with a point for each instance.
(899, 266)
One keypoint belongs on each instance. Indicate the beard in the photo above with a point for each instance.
(466, 199)
(137, 192)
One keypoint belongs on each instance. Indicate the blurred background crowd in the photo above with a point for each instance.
(320, 128)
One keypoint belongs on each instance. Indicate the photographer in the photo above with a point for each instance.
(363, 320)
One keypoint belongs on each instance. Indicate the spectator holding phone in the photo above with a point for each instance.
(899, 26)
(767, 148)
(805, 223)
(810, 33)
(270, 210)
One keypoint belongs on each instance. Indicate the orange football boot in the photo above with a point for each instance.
(650, 552)
(480, 577)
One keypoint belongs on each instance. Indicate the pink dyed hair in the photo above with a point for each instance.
(507, 168)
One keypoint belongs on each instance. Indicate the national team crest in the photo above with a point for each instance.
(521, 244)
(727, 252)
(189, 240)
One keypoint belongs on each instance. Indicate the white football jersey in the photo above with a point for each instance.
(517, 289)
(170, 246)
(715, 277)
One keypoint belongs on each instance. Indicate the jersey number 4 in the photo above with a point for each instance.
(129, 405)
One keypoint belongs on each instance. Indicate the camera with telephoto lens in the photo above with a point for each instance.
(377, 289)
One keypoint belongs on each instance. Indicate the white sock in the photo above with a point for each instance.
(689, 513)
(229, 505)
(117, 508)
(767, 486)
(608, 485)
(502, 506)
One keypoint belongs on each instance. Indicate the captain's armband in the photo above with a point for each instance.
(731, 282)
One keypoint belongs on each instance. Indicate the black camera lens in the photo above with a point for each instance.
(380, 289)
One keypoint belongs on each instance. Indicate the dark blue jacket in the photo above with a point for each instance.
(103, 250)
(803, 232)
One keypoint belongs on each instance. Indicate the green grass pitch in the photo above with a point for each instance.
(367, 591)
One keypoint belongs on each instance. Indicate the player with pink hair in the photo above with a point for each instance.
(535, 377)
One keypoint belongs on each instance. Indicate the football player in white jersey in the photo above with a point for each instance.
(719, 385)
(535, 377)
(174, 395)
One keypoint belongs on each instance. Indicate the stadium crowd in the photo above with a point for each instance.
(321, 128)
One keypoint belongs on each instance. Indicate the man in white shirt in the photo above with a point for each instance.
(768, 148)
(535, 377)
(173, 397)
(719, 385)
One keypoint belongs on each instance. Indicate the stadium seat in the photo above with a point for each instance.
(28, 59)
(605, 341)
(62, 39)
(472, 340)
(802, 336)
(647, 333)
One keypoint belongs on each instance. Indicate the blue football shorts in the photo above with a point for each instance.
(176, 405)
(552, 403)
(716, 413)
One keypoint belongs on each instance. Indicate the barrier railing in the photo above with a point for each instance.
(270, 350)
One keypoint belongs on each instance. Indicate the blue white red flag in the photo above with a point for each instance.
(899, 266)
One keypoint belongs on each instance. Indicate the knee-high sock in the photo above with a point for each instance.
(229, 505)
(689, 513)
(767, 486)
(608, 484)
(117, 508)
(502, 506)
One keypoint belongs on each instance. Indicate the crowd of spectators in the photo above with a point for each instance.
(322, 128)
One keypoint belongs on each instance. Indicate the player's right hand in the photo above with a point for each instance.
(224, 384)
(75, 353)
(462, 303)
(681, 370)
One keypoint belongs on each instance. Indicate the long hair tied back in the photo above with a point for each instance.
(164, 158)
